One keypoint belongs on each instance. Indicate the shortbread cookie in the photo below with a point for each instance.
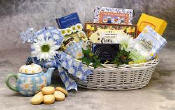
(59, 96)
(62, 90)
(48, 90)
(49, 99)
(37, 99)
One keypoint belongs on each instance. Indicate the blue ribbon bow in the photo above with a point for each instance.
(66, 64)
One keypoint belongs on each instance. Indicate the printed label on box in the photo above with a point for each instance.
(113, 15)
(68, 20)
(91, 28)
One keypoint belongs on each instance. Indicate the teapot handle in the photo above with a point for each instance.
(9, 85)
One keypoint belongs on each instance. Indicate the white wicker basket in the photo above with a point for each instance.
(125, 77)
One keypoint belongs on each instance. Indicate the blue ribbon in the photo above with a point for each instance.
(66, 64)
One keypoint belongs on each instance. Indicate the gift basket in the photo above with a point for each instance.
(110, 54)
(125, 77)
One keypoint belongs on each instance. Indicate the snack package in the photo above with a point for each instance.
(157, 24)
(74, 40)
(67, 21)
(149, 42)
(113, 15)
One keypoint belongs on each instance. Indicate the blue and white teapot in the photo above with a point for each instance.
(30, 79)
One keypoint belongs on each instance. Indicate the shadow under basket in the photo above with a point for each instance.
(125, 77)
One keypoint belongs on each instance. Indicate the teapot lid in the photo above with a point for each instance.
(30, 69)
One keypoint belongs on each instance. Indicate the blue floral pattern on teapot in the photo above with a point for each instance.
(30, 84)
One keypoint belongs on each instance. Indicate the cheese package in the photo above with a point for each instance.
(157, 24)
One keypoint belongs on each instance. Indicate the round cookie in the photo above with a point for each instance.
(37, 99)
(48, 90)
(62, 90)
(59, 96)
(49, 99)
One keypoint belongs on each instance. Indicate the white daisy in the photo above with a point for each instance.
(76, 64)
(79, 54)
(26, 86)
(79, 27)
(73, 28)
(126, 41)
(71, 70)
(63, 32)
(79, 74)
(70, 62)
(68, 31)
(44, 49)
(82, 35)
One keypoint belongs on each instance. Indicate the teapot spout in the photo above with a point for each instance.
(48, 75)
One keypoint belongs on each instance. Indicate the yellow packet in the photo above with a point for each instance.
(157, 24)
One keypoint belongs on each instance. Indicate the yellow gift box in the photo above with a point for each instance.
(157, 24)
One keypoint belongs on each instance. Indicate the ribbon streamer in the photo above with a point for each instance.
(67, 65)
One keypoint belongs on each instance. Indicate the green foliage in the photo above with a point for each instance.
(122, 57)
(90, 57)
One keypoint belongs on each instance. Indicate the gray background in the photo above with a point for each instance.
(18, 15)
